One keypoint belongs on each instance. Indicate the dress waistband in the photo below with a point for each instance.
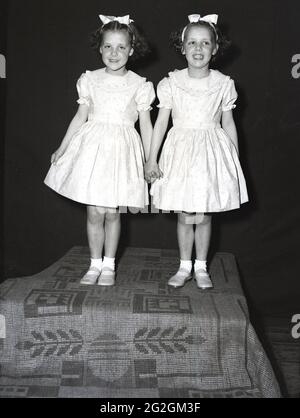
(179, 123)
(111, 121)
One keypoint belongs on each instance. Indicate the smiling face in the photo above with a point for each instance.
(198, 47)
(115, 50)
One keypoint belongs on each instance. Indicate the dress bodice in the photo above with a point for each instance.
(196, 103)
(114, 99)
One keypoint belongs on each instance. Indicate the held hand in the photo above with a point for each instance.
(152, 171)
(56, 156)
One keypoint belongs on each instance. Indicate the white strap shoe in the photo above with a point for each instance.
(203, 279)
(180, 278)
(91, 276)
(107, 277)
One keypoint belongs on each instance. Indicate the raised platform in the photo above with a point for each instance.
(140, 338)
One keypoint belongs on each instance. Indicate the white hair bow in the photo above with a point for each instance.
(207, 18)
(125, 20)
(197, 18)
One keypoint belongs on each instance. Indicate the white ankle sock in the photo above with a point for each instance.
(186, 264)
(108, 262)
(96, 262)
(200, 264)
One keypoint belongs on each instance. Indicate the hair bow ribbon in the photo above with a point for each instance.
(208, 18)
(125, 20)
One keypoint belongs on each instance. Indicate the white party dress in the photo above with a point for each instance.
(103, 163)
(199, 161)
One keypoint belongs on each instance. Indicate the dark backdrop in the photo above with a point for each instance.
(48, 49)
(3, 33)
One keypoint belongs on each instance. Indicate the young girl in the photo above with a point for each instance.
(100, 160)
(199, 170)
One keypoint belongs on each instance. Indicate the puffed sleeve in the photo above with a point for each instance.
(164, 93)
(230, 96)
(145, 96)
(83, 90)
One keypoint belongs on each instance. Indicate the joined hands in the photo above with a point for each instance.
(152, 171)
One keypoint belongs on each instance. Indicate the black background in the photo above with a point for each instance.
(48, 49)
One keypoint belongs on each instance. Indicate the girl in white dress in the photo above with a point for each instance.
(100, 160)
(199, 170)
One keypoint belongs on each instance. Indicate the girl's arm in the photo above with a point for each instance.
(78, 120)
(229, 127)
(160, 128)
(146, 131)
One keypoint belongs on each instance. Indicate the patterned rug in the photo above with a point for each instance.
(138, 339)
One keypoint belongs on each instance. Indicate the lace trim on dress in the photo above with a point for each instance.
(100, 78)
(208, 85)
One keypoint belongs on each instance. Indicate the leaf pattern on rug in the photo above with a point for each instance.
(51, 343)
(108, 343)
(170, 341)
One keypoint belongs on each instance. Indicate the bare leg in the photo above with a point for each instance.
(112, 235)
(202, 237)
(95, 230)
(112, 232)
(185, 235)
(95, 233)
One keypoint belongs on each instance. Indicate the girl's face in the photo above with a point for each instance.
(198, 47)
(115, 50)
